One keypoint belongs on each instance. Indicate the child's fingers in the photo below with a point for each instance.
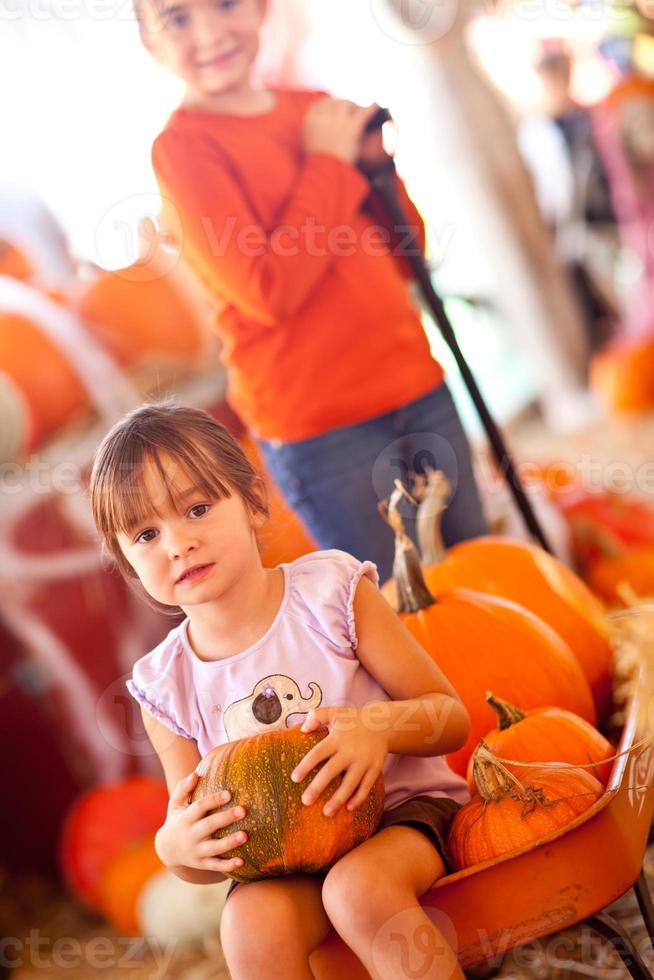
(183, 789)
(200, 808)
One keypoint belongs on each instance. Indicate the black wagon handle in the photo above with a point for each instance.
(384, 183)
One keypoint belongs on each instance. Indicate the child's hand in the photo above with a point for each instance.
(335, 126)
(185, 839)
(372, 155)
(351, 747)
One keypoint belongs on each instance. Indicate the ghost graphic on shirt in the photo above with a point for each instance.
(268, 708)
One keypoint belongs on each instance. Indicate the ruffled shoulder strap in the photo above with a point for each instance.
(323, 585)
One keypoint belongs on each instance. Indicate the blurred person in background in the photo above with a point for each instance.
(268, 192)
(572, 189)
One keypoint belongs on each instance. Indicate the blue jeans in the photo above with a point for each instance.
(334, 481)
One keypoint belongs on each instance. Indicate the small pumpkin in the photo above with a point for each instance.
(525, 574)
(284, 835)
(544, 735)
(633, 567)
(601, 521)
(480, 641)
(622, 375)
(123, 881)
(508, 814)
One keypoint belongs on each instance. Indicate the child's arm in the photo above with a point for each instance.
(425, 716)
(268, 273)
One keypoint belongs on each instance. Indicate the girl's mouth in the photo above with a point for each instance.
(194, 574)
(221, 60)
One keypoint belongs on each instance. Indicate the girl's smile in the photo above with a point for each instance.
(194, 574)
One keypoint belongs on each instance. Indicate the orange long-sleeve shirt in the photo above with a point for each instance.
(316, 318)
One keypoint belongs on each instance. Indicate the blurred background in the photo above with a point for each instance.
(524, 131)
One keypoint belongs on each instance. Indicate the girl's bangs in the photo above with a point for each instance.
(128, 501)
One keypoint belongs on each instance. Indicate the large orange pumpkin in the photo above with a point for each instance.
(506, 815)
(139, 316)
(284, 835)
(101, 823)
(544, 735)
(527, 575)
(123, 881)
(481, 641)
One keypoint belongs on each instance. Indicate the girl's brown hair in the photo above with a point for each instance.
(204, 449)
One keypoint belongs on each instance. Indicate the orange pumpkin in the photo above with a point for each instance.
(527, 575)
(284, 835)
(630, 566)
(544, 735)
(622, 375)
(139, 316)
(41, 372)
(123, 881)
(481, 641)
(101, 823)
(14, 262)
(508, 815)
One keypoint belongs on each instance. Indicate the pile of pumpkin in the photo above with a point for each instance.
(612, 537)
(108, 861)
(497, 615)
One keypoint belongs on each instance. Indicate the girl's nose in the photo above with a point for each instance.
(180, 543)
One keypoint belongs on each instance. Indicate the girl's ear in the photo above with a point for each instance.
(257, 517)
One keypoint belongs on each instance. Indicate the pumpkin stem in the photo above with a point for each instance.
(433, 494)
(412, 592)
(492, 779)
(508, 714)
(595, 538)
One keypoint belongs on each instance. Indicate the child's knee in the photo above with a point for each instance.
(276, 911)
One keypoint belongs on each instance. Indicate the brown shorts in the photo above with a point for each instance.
(431, 815)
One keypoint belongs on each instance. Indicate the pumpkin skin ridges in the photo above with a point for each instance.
(473, 636)
(549, 734)
(284, 836)
(486, 829)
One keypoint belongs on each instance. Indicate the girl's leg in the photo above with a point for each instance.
(371, 897)
(268, 928)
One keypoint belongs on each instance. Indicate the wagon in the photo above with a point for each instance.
(565, 879)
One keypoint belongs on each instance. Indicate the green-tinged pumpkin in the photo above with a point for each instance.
(284, 835)
(509, 814)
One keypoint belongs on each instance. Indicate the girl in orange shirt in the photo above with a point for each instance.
(327, 360)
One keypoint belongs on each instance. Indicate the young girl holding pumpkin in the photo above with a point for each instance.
(328, 363)
(178, 506)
